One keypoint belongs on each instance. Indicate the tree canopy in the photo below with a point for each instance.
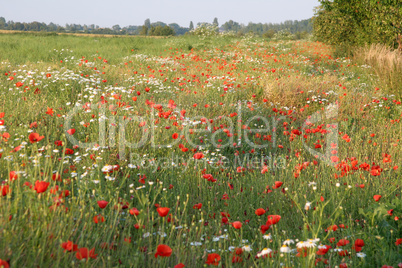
(358, 22)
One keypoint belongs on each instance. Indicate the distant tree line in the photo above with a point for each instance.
(160, 28)
(268, 29)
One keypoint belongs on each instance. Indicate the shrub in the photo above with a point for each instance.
(205, 30)
(161, 31)
(346, 22)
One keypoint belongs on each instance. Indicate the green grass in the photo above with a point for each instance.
(230, 75)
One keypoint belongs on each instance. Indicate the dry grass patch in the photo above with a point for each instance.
(386, 64)
(286, 90)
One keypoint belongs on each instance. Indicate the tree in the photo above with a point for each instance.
(147, 23)
(191, 26)
(144, 30)
(269, 34)
(131, 29)
(51, 27)
(215, 22)
(60, 29)
(34, 26)
(2, 23)
(161, 31)
(17, 26)
(158, 23)
(358, 22)
(116, 28)
(231, 26)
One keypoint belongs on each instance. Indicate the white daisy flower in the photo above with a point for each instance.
(247, 248)
(288, 242)
(361, 255)
(107, 168)
(285, 249)
(264, 252)
(306, 244)
(267, 237)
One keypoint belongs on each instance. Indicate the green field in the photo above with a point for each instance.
(230, 151)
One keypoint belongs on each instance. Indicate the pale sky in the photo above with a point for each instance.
(108, 13)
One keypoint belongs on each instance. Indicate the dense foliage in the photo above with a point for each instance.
(358, 22)
(161, 31)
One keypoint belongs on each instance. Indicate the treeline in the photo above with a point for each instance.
(358, 22)
(292, 27)
(163, 29)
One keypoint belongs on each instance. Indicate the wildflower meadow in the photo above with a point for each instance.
(197, 151)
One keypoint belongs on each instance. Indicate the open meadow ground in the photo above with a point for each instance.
(228, 151)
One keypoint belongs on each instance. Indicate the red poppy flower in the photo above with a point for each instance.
(58, 143)
(237, 224)
(375, 170)
(277, 184)
(49, 111)
(69, 151)
(163, 251)
(334, 158)
(359, 242)
(134, 211)
(398, 242)
(69, 246)
(41, 186)
(71, 131)
(4, 190)
(209, 177)
(273, 219)
(34, 137)
(197, 206)
(5, 135)
(98, 218)
(342, 242)
(13, 175)
(224, 220)
(260, 211)
(198, 155)
(84, 253)
(213, 259)
(163, 211)
(332, 240)
(102, 204)
(264, 228)
(180, 265)
(237, 259)
(4, 264)
(323, 251)
(175, 135)
(377, 197)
